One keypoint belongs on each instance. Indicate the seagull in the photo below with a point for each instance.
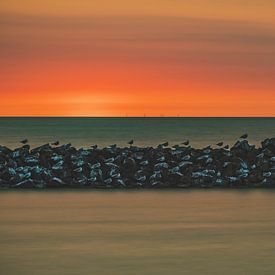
(113, 146)
(185, 142)
(24, 141)
(55, 143)
(131, 142)
(220, 144)
(244, 136)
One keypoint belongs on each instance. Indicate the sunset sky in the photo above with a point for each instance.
(136, 58)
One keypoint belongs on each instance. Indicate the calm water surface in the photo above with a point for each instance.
(137, 232)
(83, 132)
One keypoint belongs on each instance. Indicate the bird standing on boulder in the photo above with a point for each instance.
(24, 141)
(55, 143)
(131, 142)
(186, 143)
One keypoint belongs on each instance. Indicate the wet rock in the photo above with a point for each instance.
(28, 183)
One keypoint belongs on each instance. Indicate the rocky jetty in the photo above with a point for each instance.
(179, 166)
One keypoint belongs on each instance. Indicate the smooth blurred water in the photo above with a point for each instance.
(83, 132)
(137, 232)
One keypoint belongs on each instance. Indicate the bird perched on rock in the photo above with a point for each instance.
(131, 142)
(219, 144)
(165, 144)
(244, 136)
(185, 142)
(55, 143)
(24, 141)
(94, 146)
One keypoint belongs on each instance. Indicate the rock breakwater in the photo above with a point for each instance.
(179, 166)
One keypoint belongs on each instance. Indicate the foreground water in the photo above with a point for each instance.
(138, 232)
(83, 132)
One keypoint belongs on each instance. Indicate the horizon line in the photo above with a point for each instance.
(15, 116)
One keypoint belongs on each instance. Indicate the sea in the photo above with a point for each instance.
(128, 232)
(84, 132)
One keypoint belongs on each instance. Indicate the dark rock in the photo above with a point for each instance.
(243, 165)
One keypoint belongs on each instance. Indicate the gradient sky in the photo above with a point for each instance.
(135, 58)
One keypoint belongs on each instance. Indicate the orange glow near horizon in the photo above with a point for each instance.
(109, 63)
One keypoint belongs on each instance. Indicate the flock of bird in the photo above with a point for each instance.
(179, 166)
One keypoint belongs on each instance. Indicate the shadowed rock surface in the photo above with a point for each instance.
(180, 166)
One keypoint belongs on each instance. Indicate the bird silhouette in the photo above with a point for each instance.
(219, 144)
(55, 143)
(131, 142)
(24, 141)
(165, 144)
(185, 142)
